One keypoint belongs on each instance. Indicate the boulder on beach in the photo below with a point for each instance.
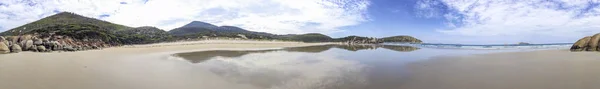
(588, 43)
(28, 45)
(593, 43)
(581, 44)
(69, 48)
(13, 39)
(7, 43)
(2, 39)
(33, 49)
(41, 48)
(54, 45)
(15, 48)
(25, 38)
(4, 48)
(38, 42)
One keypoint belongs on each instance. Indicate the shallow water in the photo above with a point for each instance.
(319, 67)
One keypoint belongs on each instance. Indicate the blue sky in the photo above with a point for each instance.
(434, 21)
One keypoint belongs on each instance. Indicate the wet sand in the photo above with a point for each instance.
(128, 67)
(549, 69)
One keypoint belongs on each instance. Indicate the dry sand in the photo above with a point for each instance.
(122, 67)
(549, 69)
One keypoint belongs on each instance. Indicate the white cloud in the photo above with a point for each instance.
(519, 19)
(275, 16)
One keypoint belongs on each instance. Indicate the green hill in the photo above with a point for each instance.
(408, 39)
(78, 32)
(87, 30)
(63, 18)
(144, 35)
(310, 37)
(348, 38)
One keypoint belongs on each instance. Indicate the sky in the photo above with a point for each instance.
(433, 21)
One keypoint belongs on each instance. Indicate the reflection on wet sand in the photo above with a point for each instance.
(400, 48)
(288, 70)
(310, 67)
(197, 57)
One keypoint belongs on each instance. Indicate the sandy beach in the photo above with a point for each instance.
(547, 69)
(121, 67)
(153, 67)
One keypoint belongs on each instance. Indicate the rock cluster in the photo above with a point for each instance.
(35, 43)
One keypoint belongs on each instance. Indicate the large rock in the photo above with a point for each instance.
(2, 39)
(15, 48)
(7, 43)
(13, 39)
(27, 45)
(25, 38)
(593, 43)
(54, 45)
(41, 48)
(69, 48)
(38, 42)
(4, 48)
(581, 44)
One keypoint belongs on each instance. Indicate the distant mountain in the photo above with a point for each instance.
(199, 24)
(199, 29)
(63, 18)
